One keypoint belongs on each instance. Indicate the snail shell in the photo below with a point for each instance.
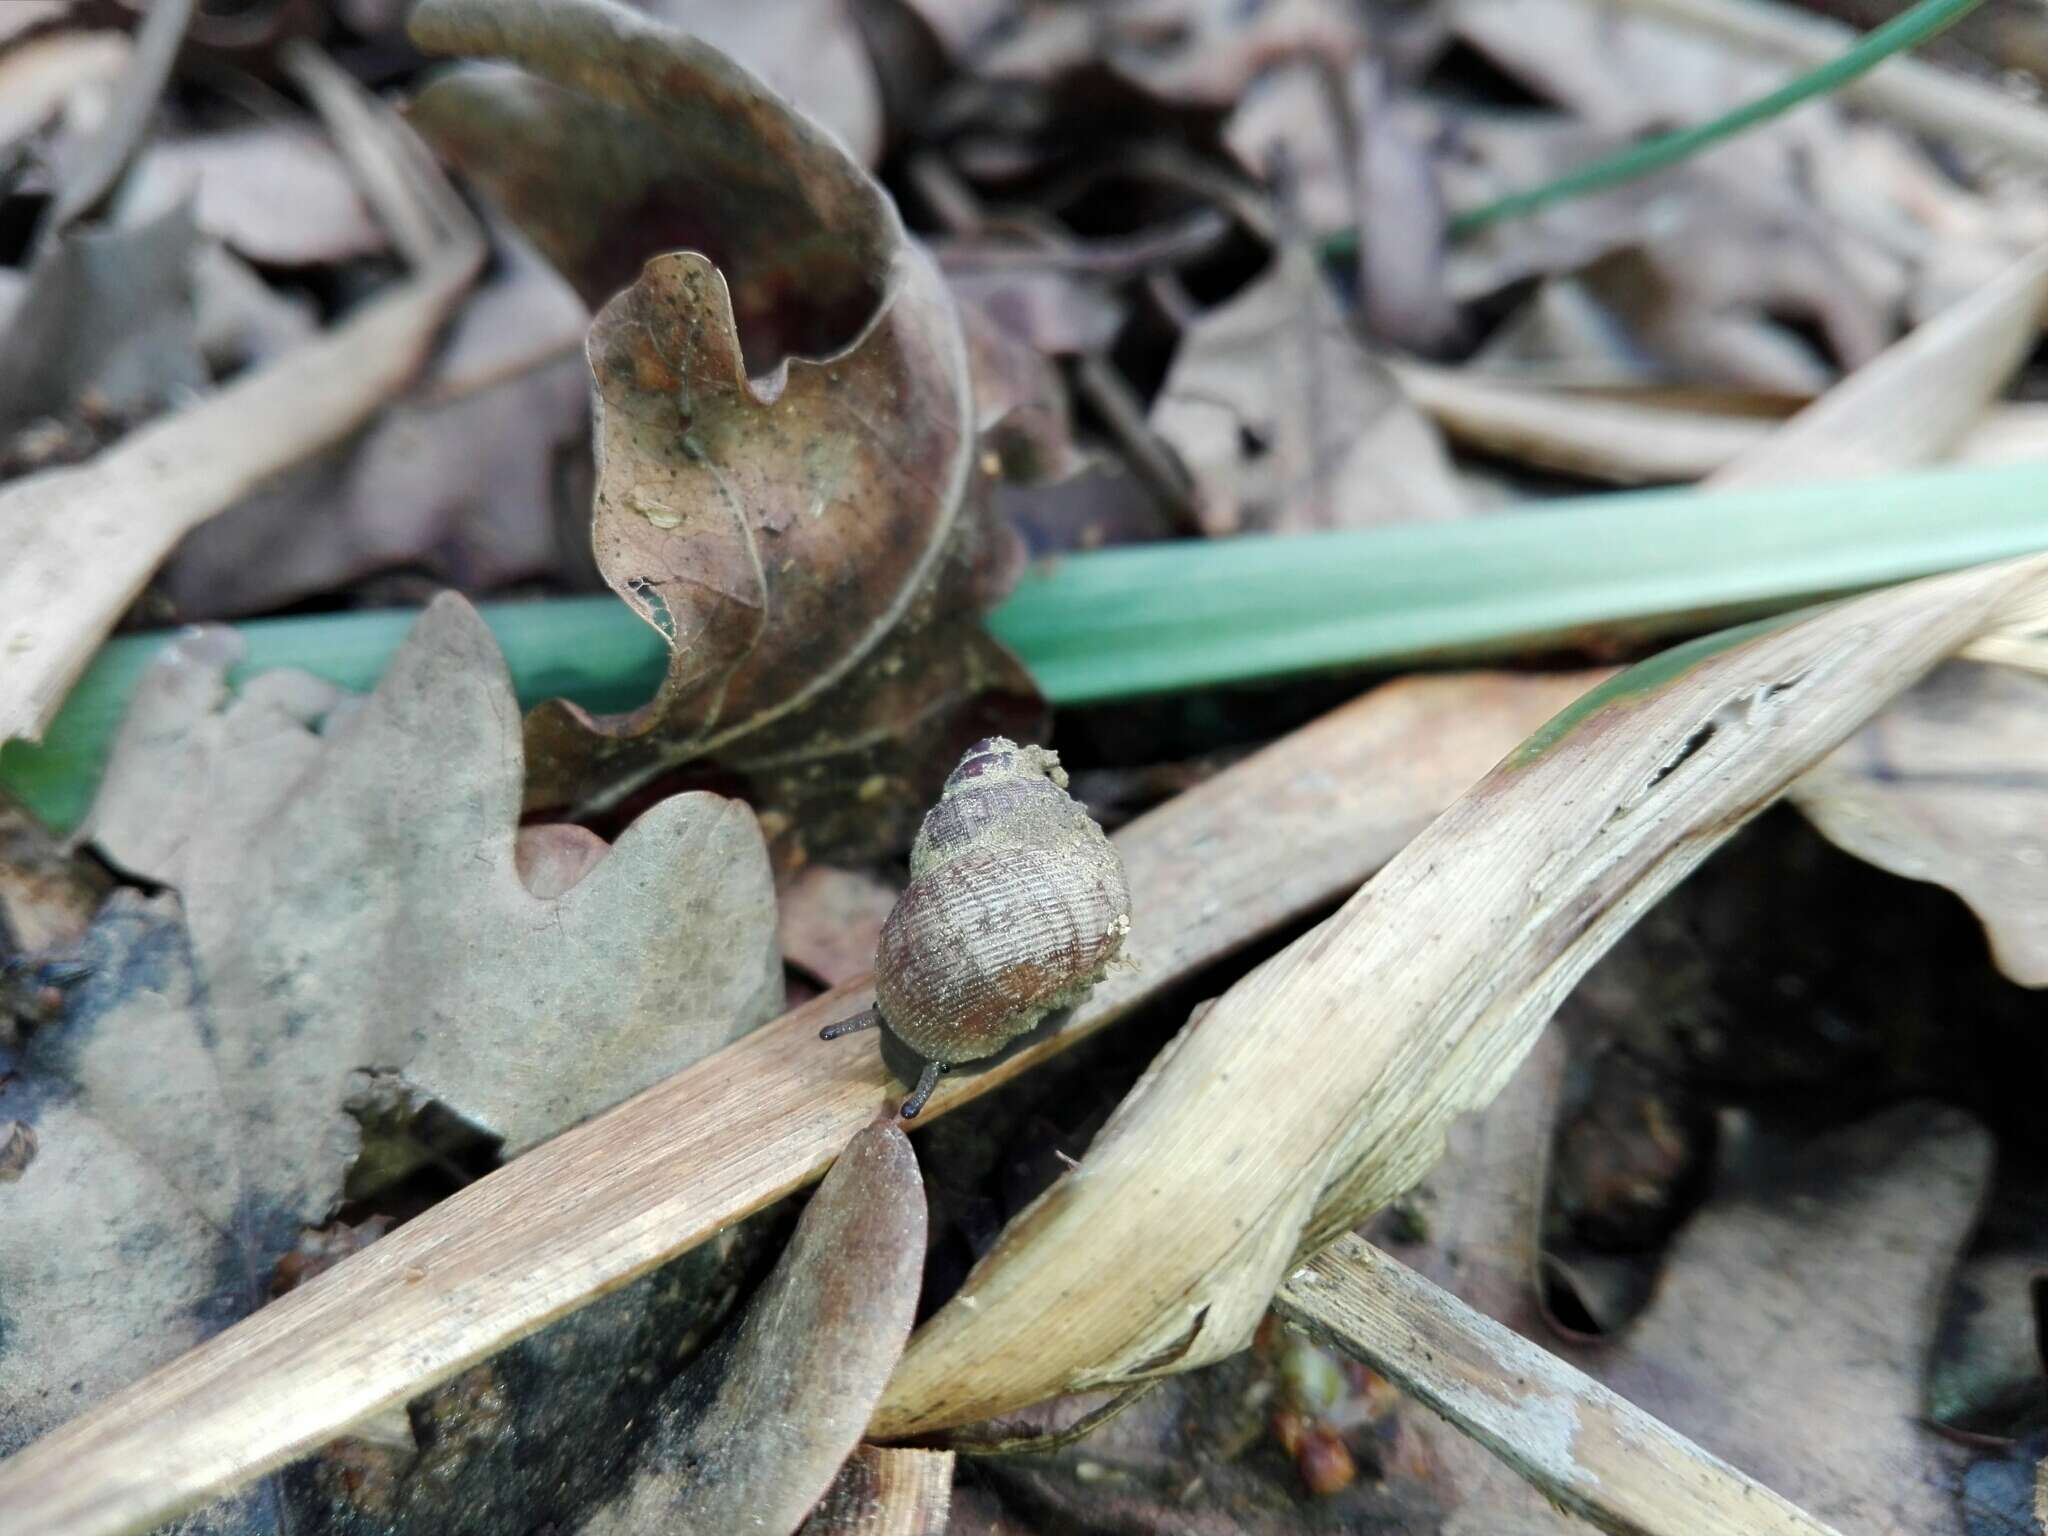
(1016, 906)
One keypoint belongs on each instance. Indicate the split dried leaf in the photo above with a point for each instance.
(1226, 1163)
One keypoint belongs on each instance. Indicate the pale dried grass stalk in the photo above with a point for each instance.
(1590, 1452)
(82, 541)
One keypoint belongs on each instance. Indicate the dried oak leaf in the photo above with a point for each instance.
(1289, 424)
(751, 1435)
(347, 903)
(1950, 784)
(788, 486)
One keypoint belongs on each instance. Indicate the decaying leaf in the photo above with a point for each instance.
(459, 480)
(1517, 888)
(1288, 424)
(47, 896)
(347, 904)
(1792, 1317)
(832, 919)
(752, 1435)
(887, 1491)
(787, 475)
(107, 316)
(1947, 785)
(809, 52)
(275, 194)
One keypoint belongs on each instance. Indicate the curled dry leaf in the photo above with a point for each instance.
(1950, 784)
(1288, 424)
(753, 1434)
(347, 901)
(809, 52)
(1226, 1162)
(787, 477)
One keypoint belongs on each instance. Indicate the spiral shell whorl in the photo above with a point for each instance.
(1017, 904)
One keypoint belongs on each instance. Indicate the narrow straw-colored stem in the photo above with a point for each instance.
(1586, 1449)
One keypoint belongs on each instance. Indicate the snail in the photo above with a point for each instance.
(1016, 906)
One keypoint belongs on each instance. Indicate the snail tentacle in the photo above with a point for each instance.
(868, 1018)
(927, 1080)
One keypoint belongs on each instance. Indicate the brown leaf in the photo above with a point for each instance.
(887, 1491)
(1947, 785)
(1020, 403)
(804, 530)
(1288, 424)
(832, 920)
(629, 139)
(752, 1435)
(47, 896)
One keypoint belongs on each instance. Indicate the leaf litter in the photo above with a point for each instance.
(1116, 331)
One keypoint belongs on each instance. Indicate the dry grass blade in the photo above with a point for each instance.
(1415, 1002)
(1282, 834)
(1589, 1451)
(120, 134)
(1578, 431)
(1927, 398)
(1927, 97)
(1915, 401)
(884, 1491)
(83, 541)
(1643, 439)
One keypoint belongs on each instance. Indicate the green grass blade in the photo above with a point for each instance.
(1907, 30)
(1160, 617)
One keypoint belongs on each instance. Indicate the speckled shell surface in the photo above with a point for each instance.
(1017, 903)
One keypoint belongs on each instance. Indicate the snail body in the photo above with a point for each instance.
(1016, 905)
